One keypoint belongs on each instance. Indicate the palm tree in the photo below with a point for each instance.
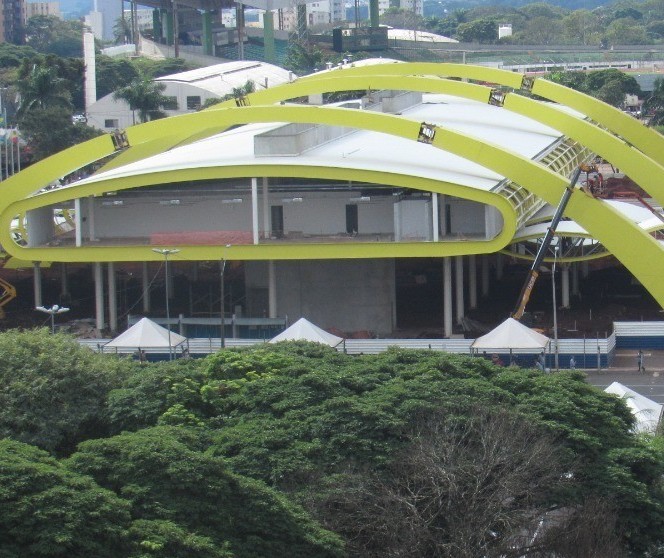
(43, 88)
(145, 96)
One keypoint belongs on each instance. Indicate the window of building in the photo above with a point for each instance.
(170, 103)
(193, 102)
(111, 123)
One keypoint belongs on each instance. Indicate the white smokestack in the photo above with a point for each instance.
(90, 83)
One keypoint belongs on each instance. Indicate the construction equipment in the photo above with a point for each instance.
(7, 294)
(529, 284)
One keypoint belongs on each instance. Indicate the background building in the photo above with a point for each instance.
(12, 19)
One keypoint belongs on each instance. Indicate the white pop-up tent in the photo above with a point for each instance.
(144, 335)
(511, 334)
(304, 330)
(646, 412)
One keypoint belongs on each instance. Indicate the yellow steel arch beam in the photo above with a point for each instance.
(638, 251)
(645, 139)
(647, 173)
(260, 252)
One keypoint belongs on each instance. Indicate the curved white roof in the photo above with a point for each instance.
(370, 150)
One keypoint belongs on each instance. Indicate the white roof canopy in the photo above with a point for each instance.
(645, 411)
(146, 334)
(511, 334)
(304, 330)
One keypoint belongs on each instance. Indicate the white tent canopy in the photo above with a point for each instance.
(511, 334)
(146, 334)
(645, 411)
(304, 330)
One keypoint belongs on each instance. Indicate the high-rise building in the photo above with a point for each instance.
(12, 19)
(42, 9)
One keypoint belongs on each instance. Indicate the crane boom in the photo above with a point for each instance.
(529, 284)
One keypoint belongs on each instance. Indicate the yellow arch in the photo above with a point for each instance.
(636, 249)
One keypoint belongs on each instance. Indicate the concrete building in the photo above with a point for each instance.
(43, 9)
(12, 19)
(404, 201)
(188, 91)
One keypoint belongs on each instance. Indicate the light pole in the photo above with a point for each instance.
(555, 310)
(167, 252)
(53, 310)
(222, 269)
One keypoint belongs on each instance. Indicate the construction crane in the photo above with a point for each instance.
(529, 284)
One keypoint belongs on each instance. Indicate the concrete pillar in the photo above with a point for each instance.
(443, 216)
(254, 208)
(447, 297)
(64, 283)
(564, 287)
(373, 13)
(500, 266)
(239, 22)
(208, 46)
(78, 222)
(169, 27)
(575, 278)
(91, 218)
(37, 281)
(585, 269)
(272, 289)
(472, 282)
(266, 209)
(145, 279)
(157, 28)
(459, 287)
(434, 216)
(112, 299)
(485, 275)
(268, 36)
(99, 297)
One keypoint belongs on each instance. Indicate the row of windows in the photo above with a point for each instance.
(193, 103)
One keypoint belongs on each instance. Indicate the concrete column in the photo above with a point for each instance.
(146, 288)
(112, 299)
(266, 209)
(443, 216)
(272, 289)
(64, 283)
(268, 36)
(99, 297)
(373, 13)
(585, 269)
(485, 275)
(472, 282)
(239, 22)
(500, 266)
(157, 28)
(434, 216)
(78, 222)
(169, 27)
(37, 281)
(447, 297)
(575, 278)
(208, 47)
(254, 208)
(459, 287)
(91, 218)
(564, 287)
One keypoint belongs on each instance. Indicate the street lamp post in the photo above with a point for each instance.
(53, 310)
(555, 309)
(167, 252)
(222, 269)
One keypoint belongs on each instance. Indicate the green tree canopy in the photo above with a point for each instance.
(52, 35)
(53, 391)
(47, 510)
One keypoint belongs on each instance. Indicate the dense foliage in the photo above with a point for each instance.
(297, 450)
